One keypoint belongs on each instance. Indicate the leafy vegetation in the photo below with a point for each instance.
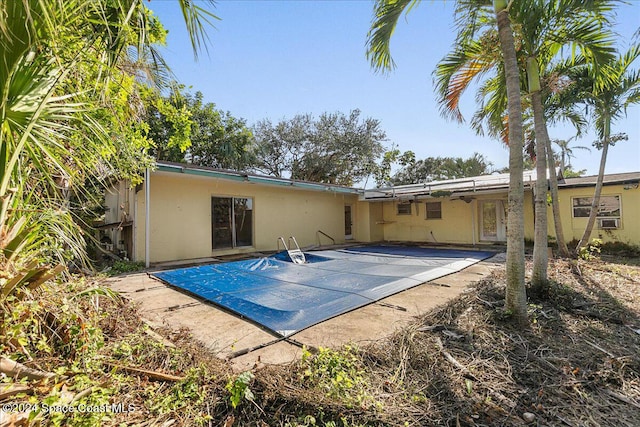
(339, 373)
(591, 250)
(72, 76)
(120, 266)
(334, 148)
(440, 168)
(185, 129)
(576, 355)
(239, 390)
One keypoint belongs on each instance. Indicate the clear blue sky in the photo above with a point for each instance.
(276, 59)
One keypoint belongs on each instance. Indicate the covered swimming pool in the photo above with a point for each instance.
(286, 298)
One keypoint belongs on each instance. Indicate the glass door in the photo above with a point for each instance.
(243, 222)
(348, 233)
(231, 222)
(221, 227)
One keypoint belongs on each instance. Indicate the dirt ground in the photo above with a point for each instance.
(463, 362)
(246, 345)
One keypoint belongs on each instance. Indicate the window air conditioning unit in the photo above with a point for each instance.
(609, 223)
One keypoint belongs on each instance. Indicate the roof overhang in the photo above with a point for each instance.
(251, 178)
(462, 188)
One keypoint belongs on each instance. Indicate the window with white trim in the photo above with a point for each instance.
(609, 207)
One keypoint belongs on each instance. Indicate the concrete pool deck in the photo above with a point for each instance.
(229, 336)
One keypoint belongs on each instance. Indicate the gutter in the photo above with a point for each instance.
(632, 181)
(240, 177)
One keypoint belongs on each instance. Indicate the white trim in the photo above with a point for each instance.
(134, 235)
(500, 231)
(147, 226)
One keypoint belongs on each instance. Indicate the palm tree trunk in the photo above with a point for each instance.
(596, 195)
(555, 203)
(516, 297)
(540, 243)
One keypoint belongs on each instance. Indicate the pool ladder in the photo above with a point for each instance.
(296, 255)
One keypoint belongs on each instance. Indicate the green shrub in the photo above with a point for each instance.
(591, 250)
(120, 267)
(238, 388)
(339, 373)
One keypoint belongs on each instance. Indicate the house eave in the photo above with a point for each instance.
(256, 179)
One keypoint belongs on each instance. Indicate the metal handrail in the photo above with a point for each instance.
(281, 239)
(319, 232)
(294, 241)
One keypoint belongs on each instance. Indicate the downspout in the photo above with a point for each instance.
(473, 221)
(134, 254)
(147, 227)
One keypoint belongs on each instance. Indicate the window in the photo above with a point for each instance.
(609, 207)
(404, 208)
(231, 222)
(434, 210)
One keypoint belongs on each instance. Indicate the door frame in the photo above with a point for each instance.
(350, 209)
(501, 221)
(232, 223)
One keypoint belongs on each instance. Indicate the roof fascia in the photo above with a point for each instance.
(240, 177)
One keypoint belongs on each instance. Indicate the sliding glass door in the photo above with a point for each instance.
(231, 222)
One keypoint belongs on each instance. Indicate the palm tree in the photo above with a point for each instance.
(566, 152)
(608, 93)
(544, 27)
(386, 17)
(516, 297)
(59, 63)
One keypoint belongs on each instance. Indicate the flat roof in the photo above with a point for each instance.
(458, 187)
(609, 179)
(190, 169)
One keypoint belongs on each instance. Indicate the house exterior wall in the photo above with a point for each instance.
(180, 215)
(460, 222)
(573, 228)
(368, 222)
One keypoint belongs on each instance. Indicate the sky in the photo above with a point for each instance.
(275, 59)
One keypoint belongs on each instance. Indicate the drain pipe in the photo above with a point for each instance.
(147, 227)
(473, 222)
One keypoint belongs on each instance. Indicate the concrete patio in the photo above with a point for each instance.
(247, 344)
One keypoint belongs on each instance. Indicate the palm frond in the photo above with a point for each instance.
(386, 14)
(195, 18)
(460, 68)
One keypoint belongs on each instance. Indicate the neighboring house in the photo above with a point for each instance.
(198, 212)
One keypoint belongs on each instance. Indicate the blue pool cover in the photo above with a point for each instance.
(286, 297)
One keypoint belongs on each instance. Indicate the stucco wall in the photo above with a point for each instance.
(368, 222)
(181, 215)
(573, 228)
(460, 222)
